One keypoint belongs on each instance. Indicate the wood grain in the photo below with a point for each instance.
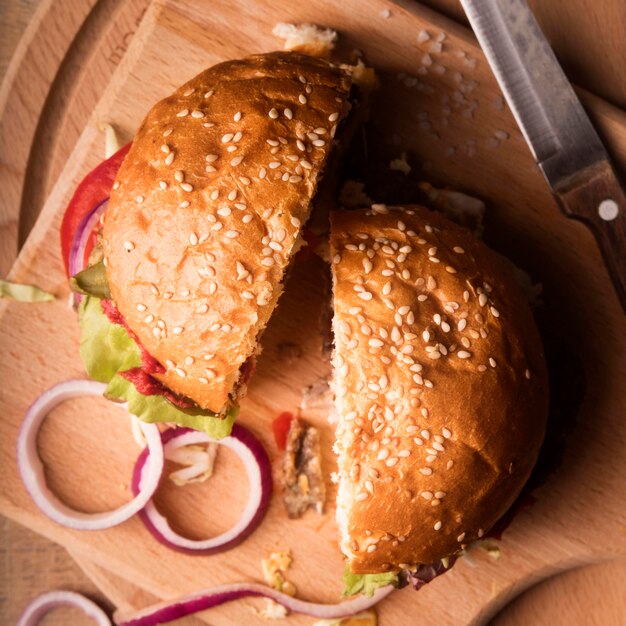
(593, 596)
(64, 50)
(614, 135)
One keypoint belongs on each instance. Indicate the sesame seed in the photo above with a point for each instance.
(169, 159)
(360, 497)
(181, 372)
(162, 184)
(129, 245)
(527, 374)
(446, 433)
(437, 525)
(460, 537)
(247, 295)
(184, 204)
(318, 143)
(177, 330)
(232, 234)
(427, 471)
(182, 113)
(462, 354)
(333, 117)
(204, 381)
(193, 239)
(211, 158)
(236, 161)
(383, 454)
(391, 462)
(295, 179)
(492, 362)
(288, 113)
(197, 114)
(495, 311)
(139, 199)
(165, 148)
(302, 98)
(367, 266)
(458, 250)
(186, 187)
(237, 116)
(141, 307)
(227, 137)
(365, 295)
(210, 168)
(273, 113)
(482, 299)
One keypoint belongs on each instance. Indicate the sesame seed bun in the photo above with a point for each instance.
(207, 209)
(440, 384)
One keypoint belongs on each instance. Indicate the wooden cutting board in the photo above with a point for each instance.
(523, 221)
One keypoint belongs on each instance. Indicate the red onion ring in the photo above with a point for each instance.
(164, 612)
(47, 601)
(81, 238)
(258, 469)
(32, 470)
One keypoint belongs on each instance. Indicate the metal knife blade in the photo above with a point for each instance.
(547, 110)
(556, 128)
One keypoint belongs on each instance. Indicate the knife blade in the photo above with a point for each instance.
(557, 129)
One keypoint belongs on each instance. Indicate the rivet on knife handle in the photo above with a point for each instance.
(598, 200)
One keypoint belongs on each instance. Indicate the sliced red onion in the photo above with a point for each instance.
(32, 470)
(81, 237)
(188, 605)
(258, 469)
(47, 601)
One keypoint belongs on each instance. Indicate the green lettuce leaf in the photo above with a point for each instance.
(24, 293)
(367, 583)
(107, 349)
(158, 409)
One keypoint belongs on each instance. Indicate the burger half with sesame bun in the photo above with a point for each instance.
(205, 215)
(441, 390)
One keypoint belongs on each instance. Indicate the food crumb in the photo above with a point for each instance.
(274, 568)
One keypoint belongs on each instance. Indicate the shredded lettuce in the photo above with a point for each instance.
(107, 349)
(367, 584)
(24, 293)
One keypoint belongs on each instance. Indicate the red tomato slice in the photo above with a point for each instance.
(280, 426)
(93, 189)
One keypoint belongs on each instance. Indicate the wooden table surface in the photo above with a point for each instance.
(590, 40)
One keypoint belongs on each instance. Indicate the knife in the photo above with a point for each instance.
(556, 128)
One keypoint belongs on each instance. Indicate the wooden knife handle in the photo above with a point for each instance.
(600, 202)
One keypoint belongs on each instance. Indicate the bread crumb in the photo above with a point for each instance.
(306, 38)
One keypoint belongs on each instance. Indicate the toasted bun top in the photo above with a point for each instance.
(440, 383)
(207, 209)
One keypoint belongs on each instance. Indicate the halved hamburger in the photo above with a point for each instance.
(205, 215)
(440, 385)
